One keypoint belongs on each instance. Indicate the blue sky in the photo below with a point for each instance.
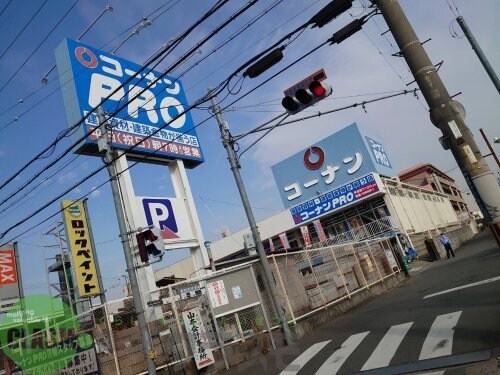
(357, 69)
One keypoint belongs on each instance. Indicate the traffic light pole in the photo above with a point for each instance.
(445, 115)
(251, 219)
(134, 286)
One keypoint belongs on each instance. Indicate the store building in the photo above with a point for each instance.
(342, 189)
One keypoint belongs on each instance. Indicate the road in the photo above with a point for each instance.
(446, 314)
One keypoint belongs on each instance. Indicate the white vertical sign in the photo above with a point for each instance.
(217, 293)
(198, 338)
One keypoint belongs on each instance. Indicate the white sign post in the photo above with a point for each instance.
(198, 338)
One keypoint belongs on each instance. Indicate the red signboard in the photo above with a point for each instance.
(8, 274)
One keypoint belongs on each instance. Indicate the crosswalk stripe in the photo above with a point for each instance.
(385, 350)
(337, 359)
(300, 361)
(439, 340)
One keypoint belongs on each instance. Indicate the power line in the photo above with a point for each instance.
(24, 28)
(221, 86)
(22, 100)
(230, 19)
(5, 7)
(119, 109)
(224, 84)
(75, 126)
(39, 45)
(455, 11)
(208, 75)
(318, 114)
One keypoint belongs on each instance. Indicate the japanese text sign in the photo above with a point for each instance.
(378, 152)
(217, 293)
(198, 338)
(88, 76)
(335, 199)
(80, 245)
(333, 161)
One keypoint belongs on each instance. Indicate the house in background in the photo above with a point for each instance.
(428, 177)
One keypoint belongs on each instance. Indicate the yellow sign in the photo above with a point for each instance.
(80, 246)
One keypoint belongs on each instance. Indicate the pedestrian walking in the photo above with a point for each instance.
(445, 241)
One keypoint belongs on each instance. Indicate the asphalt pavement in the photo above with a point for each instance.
(444, 318)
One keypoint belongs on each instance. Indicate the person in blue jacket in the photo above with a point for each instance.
(445, 241)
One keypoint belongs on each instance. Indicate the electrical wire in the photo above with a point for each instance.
(455, 11)
(228, 61)
(22, 100)
(38, 46)
(232, 36)
(5, 7)
(221, 86)
(242, 10)
(24, 28)
(318, 114)
(75, 126)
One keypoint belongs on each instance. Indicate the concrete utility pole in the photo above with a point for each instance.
(134, 286)
(479, 52)
(223, 127)
(445, 115)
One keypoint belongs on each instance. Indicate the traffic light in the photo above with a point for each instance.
(304, 98)
(150, 243)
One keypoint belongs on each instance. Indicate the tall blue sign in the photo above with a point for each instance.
(332, 162)
(88, 75)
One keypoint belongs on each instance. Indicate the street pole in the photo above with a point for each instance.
(136, 293)
(479, 52)
(223, 127)
(445, 115)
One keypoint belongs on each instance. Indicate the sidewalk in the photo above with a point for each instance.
(478, 241)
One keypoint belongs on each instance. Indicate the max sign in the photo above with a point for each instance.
(9, 287)
(7, 267)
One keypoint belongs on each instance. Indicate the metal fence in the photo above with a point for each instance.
(307, 281)
(361, 233)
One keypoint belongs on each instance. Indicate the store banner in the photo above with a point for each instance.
(284, 241)
(80, 245)
(319, 230)
(306, 236)
(271, 245)
(9, 279)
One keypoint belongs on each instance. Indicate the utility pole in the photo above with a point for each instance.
(134, 286)
(445, 115)
(479, 52)
(226, 141)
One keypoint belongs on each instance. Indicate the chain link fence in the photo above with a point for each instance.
(307, 281)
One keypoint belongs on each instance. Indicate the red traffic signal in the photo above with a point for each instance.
(304, 98)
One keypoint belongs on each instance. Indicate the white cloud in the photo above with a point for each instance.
(96, 193)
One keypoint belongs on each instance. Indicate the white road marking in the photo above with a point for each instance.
(385, 350)
(300, 361)
(439, 340)
(464, 286)
(338, 357)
